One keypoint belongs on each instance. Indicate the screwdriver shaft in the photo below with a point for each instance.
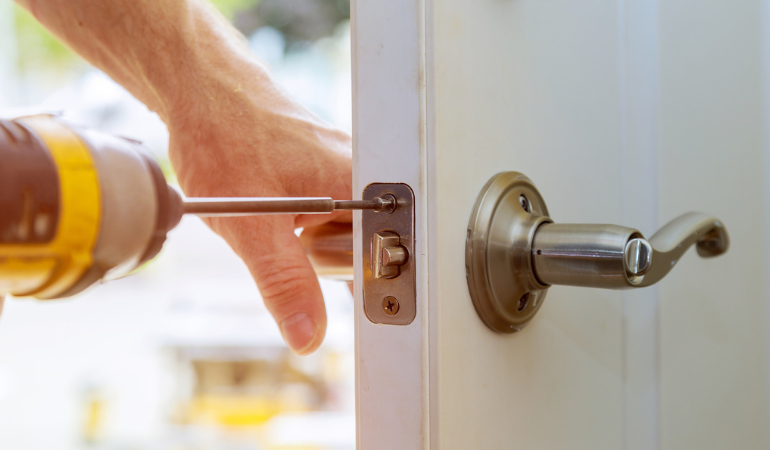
(249, 206)
(349, 205)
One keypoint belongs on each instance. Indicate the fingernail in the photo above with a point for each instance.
(298, 331)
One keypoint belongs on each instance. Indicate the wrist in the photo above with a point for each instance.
(207, 83)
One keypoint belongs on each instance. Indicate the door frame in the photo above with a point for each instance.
(389, 146)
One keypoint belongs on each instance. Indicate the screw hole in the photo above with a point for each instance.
(539, 252)
(523, 302)
(524, 201)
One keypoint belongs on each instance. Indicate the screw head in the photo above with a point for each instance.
(638, 257)
(387, 203)
(524, 201)
(390, 305)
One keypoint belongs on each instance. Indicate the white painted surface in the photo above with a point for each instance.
(392, 361)
(534, 87)
(639, 66)
(628, 112)
(713, 317)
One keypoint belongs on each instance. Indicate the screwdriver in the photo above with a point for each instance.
(78, 207)
(237, 206)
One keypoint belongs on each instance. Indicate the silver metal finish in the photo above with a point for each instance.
(394, 256)
(384, 204)
(514, 252)
(255, 206)
(388, 255)
(638, 257)
(582, 255)
(390, 295)
(250, 206)
(615, 257)
(329, 247)
(502, 283)
(706, 232)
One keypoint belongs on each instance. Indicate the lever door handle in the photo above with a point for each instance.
(514, 252)
(329, 247)
(615, 257)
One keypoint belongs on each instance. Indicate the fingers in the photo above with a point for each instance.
(285, 278)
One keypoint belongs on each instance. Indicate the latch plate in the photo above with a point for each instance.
(402, 287)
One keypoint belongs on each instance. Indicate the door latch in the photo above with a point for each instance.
(390, 295)
(388, 255)
(388, 251)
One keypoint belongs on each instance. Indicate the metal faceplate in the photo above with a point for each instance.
(389, 300)
(498, 262)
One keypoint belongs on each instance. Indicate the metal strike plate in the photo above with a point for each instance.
(389, 298)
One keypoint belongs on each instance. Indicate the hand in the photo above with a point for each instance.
(248, 142)
(233, 132)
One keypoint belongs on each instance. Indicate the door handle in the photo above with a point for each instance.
(615, 257)
(514, 252)
(329, 247)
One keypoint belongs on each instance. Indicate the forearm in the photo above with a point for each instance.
(232, 132)
(167, 53)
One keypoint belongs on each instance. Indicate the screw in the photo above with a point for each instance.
(525, 203)
(638, 257)
(390, 305)
(387, 203)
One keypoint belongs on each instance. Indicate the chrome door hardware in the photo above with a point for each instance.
(388, 256)
(388, 249)
(514, 252)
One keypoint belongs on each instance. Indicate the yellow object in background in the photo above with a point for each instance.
(93, 415)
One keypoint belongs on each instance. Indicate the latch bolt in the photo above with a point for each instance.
(388, 255)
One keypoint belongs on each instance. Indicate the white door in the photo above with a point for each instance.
(625, 112)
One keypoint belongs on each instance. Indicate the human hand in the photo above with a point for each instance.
(249, 142)
(233, 132)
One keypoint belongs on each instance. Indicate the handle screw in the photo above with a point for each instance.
(390, 305)
(638, 257)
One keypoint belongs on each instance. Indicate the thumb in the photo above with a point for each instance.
(285, 278)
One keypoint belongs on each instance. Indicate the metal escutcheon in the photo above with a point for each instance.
(502, 284)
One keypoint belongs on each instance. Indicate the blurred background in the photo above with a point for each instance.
(182, 355)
